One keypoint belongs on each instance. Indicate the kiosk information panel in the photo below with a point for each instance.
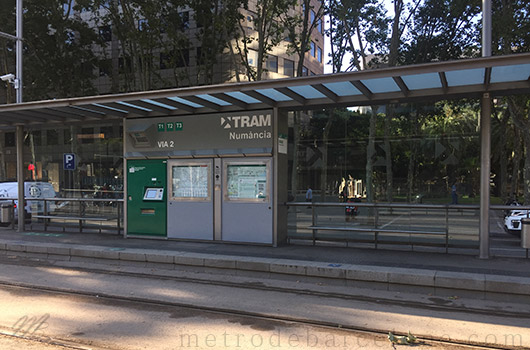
(247, 206)
(190, 204)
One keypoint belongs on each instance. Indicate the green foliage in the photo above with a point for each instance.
(265, 33)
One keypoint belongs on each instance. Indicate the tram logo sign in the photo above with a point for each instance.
(246, 121)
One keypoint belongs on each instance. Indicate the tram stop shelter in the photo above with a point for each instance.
(210, 162)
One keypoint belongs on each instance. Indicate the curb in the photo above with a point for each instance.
(348, 273)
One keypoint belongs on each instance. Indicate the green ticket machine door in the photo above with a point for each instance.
(146, 197)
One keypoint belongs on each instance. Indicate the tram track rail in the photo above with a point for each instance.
(425, 339)
(267, 287)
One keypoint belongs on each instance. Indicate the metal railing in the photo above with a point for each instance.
(436, 225)
(81, 210)
(387, 223)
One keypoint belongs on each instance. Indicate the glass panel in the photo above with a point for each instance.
(343, 89)
(307, 91)
(465, 77)
(214, 100)
(422, 81)
(134, 106)
(510, 73)
(413, 154)
(243, 97)
(247, 181)
(186, 102)
(381, 85)
(159, 104)
(190, 181)
(274, 95)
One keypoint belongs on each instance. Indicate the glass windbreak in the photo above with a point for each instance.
(190, 182)
(247, 182)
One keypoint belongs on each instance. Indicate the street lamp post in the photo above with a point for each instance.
(485, 137)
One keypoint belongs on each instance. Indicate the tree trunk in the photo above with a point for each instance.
(296, 147)
(411, 174)
(521, 122)
(388, 154)
(516, 161)
(324, 173)
(370, 156)
(526, 191)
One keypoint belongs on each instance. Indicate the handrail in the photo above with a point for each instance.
(314, 227)
(405, 205)
(56, 199)
(386, 205)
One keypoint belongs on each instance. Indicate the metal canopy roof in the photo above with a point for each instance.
(500, 75)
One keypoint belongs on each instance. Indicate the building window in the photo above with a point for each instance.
(252, 57)
(288, 67)
(272, 63)
(304, 71)
(67, 137)
(184, 20)
(10, 140)
(313, 49)
(87, 135)
(319, 54)
(320, 26)
(143, 25)
(125, 64)
(105, 68)
(175, 59)
(105, 33)
(52, 137)
(312, 17)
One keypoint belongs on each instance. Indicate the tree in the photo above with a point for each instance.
(259, 33)
(511, 34)
(58, 56)
(218, 22)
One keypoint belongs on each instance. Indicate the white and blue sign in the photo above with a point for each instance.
(69, 161)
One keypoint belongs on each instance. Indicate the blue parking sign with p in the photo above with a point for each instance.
(69, 161)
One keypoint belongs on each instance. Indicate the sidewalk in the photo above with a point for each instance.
(430, 271)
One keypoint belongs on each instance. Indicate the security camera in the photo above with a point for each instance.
(8, 77)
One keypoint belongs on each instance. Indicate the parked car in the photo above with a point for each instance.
(34, 190)
(512, 220)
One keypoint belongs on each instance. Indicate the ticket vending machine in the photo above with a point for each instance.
(146, 197)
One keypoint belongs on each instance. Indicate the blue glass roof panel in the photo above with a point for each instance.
(134, 106)
(186, 102)
(381, 85)
(159, 104)
(215, 100)
(343, 89)
(465, 77)
(111, 108)
(504, 74)
(274, 95)
(422, 81)
(307, 91)
(243, 97)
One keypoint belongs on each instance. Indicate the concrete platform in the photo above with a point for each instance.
(434, 273)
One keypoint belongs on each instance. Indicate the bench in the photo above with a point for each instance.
(77, 218)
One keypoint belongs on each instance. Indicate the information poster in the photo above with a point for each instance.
(190, 181)
(247, 181)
